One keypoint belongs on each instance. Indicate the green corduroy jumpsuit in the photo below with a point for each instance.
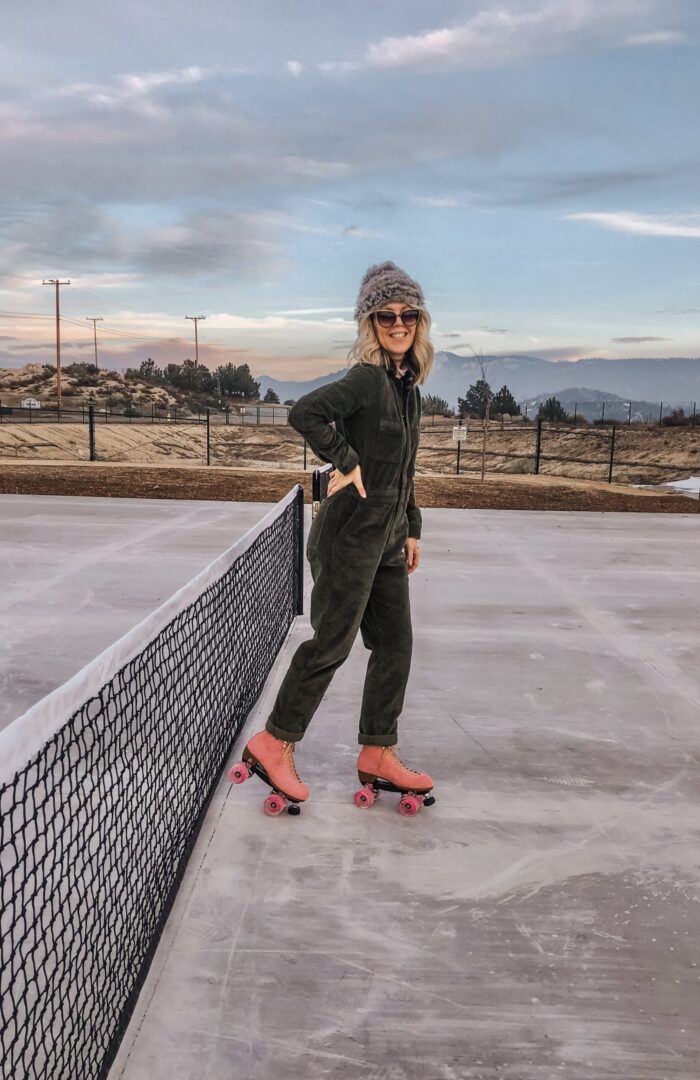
(356, 549)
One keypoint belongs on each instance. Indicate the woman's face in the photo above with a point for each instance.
(396, 339)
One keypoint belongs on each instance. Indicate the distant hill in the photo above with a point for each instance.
(578, 393)
(289, 389)
(674, 380)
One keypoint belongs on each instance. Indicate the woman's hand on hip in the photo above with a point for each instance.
(339, 480)
(412, 554)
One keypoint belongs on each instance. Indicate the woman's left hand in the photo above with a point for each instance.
(412, 554)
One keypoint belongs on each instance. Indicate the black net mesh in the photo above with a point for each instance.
(97, 828)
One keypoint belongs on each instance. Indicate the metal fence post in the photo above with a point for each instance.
(0, 411)
(257, 421)
(208, 438)
(459, 447)
(91, 431)
(629, 416)
(661, 412)
(538, 446)
(602, 415)
(694, 411)
(304, 455)
(612, 454)
(575, 410)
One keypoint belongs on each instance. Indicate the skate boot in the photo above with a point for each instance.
(272, 760)
(379, 769)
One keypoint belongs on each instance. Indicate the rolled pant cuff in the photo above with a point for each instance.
(376, 740)
(286, 736)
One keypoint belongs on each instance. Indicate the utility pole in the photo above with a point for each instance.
(57, 283)
(94, 319)
(195, 319)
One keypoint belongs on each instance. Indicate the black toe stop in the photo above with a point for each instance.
(294, 810)
(429, 801)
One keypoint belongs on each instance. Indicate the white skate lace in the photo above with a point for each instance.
(393, 753)
(288, 753)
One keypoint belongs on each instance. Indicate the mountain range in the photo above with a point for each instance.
(673, 380)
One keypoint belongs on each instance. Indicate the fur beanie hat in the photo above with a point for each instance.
(382, 284)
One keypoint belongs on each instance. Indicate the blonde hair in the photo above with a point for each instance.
(367, 350)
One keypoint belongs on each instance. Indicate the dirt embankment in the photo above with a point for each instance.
(260, 485)
(641, 455)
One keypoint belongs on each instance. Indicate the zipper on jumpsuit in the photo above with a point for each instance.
(406, 455)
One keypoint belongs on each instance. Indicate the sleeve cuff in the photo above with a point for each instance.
(349, 460)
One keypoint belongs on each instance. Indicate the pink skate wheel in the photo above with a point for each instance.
(409, 805)
(238, 773)
(364, 797)
(274, 805)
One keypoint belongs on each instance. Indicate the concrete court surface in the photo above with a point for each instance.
(77, 573)
(542, 920)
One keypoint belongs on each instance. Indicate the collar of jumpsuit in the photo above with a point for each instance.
(403, 370)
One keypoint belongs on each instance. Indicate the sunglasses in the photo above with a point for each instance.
(389, 318)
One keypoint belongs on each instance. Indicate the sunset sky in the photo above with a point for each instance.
(536, 166)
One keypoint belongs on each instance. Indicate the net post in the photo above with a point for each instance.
(299, 504)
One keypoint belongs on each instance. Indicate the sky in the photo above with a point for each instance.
(534, 165)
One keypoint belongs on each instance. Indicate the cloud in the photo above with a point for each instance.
(311, 311)
(126, 88)
(498, 36)
(643, 224)
(437, 202)
(294, 68)
(659, 37)
(246, 245)
(631, 340)
(543, 188)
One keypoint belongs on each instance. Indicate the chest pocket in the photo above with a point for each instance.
(389, 443)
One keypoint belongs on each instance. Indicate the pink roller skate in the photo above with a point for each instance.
(379, 769)
(273, 761)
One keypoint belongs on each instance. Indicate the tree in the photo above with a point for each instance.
(505, 403)
(290, 401)
(552, 410)
(148, 371)
(271, 398)
(433, 404)
(190, 376)
(478, 400)
(237, 381)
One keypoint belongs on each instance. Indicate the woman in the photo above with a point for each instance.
(363, 542)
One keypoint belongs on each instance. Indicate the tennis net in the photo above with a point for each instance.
(103, 787)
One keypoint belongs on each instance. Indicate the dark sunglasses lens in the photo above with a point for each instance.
(388, 318)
